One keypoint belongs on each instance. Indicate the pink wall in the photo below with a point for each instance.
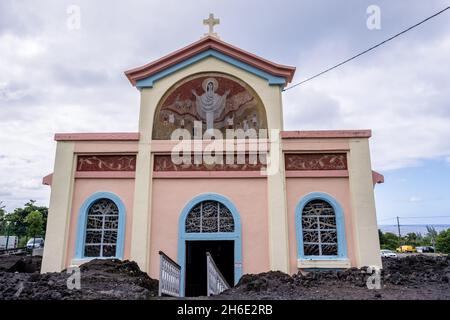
(338, 188)
(83, 188)
(248, 195)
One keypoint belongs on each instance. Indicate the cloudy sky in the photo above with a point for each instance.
(57, 79)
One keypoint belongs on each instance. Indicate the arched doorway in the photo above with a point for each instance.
(208, 223)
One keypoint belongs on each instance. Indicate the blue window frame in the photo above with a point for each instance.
(112, 226)
(332, 207)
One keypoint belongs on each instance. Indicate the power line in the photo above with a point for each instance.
(367, 50)
(415, 217)
(425, 217)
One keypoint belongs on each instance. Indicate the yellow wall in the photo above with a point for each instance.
(365, 227)
(59, 210)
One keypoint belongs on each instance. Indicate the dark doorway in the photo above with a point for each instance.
(223, 255)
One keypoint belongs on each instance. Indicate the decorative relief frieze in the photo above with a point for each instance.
(315, 161)
(165, 163)
(106, 163)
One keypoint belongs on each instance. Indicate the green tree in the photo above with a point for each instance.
(35, 223)
(388, 240)
(412, 239)
(443, 242)
(18, 227)
(431, 236)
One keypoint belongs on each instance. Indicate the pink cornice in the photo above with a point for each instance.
(326, 134)
(47, 180)
(239, 146)
(110, 136)
(204, 44)
(377, 178)
(317, 174)
(207, 174)
(105, 175)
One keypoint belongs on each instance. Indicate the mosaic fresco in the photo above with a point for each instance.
(219, 101)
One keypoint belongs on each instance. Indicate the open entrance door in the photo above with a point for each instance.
(223, 254)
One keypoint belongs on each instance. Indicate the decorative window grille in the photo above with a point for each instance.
(101, 229)
(319, 229)
(209, 216)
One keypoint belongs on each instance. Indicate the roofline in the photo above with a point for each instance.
(204, 44)
(134, 136)
(48, 179)
(377, 178)
(326, 134)
(107, 136)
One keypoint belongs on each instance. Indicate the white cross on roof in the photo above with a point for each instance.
(211, 22)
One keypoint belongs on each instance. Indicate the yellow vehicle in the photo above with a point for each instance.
(406, 249)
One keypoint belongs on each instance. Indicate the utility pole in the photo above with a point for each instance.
(7, 234)
(398, 228)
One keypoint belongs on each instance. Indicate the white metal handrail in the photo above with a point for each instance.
(169, 276)
(215, 283)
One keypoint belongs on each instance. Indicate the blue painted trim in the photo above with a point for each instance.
(82, 221)
(150, 81)
(340, 226)
(236, 235)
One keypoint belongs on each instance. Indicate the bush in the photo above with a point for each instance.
(388, 240)
(443, 242)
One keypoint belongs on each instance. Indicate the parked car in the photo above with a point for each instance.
(426, 249)
(38, 243)
(406, 249)
(388, 253)
(429, 249)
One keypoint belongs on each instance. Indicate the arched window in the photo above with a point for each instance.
(101, 229)
(209, 216)
(319, 229)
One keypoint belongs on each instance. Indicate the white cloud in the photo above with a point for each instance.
(398, 92)
(56, 80)
(415, 199)
(22, 47)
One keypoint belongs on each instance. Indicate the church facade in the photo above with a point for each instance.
(273, 200)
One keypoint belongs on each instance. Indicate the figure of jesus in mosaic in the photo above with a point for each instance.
(210, 105)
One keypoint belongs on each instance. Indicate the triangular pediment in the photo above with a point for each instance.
(146, 75)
